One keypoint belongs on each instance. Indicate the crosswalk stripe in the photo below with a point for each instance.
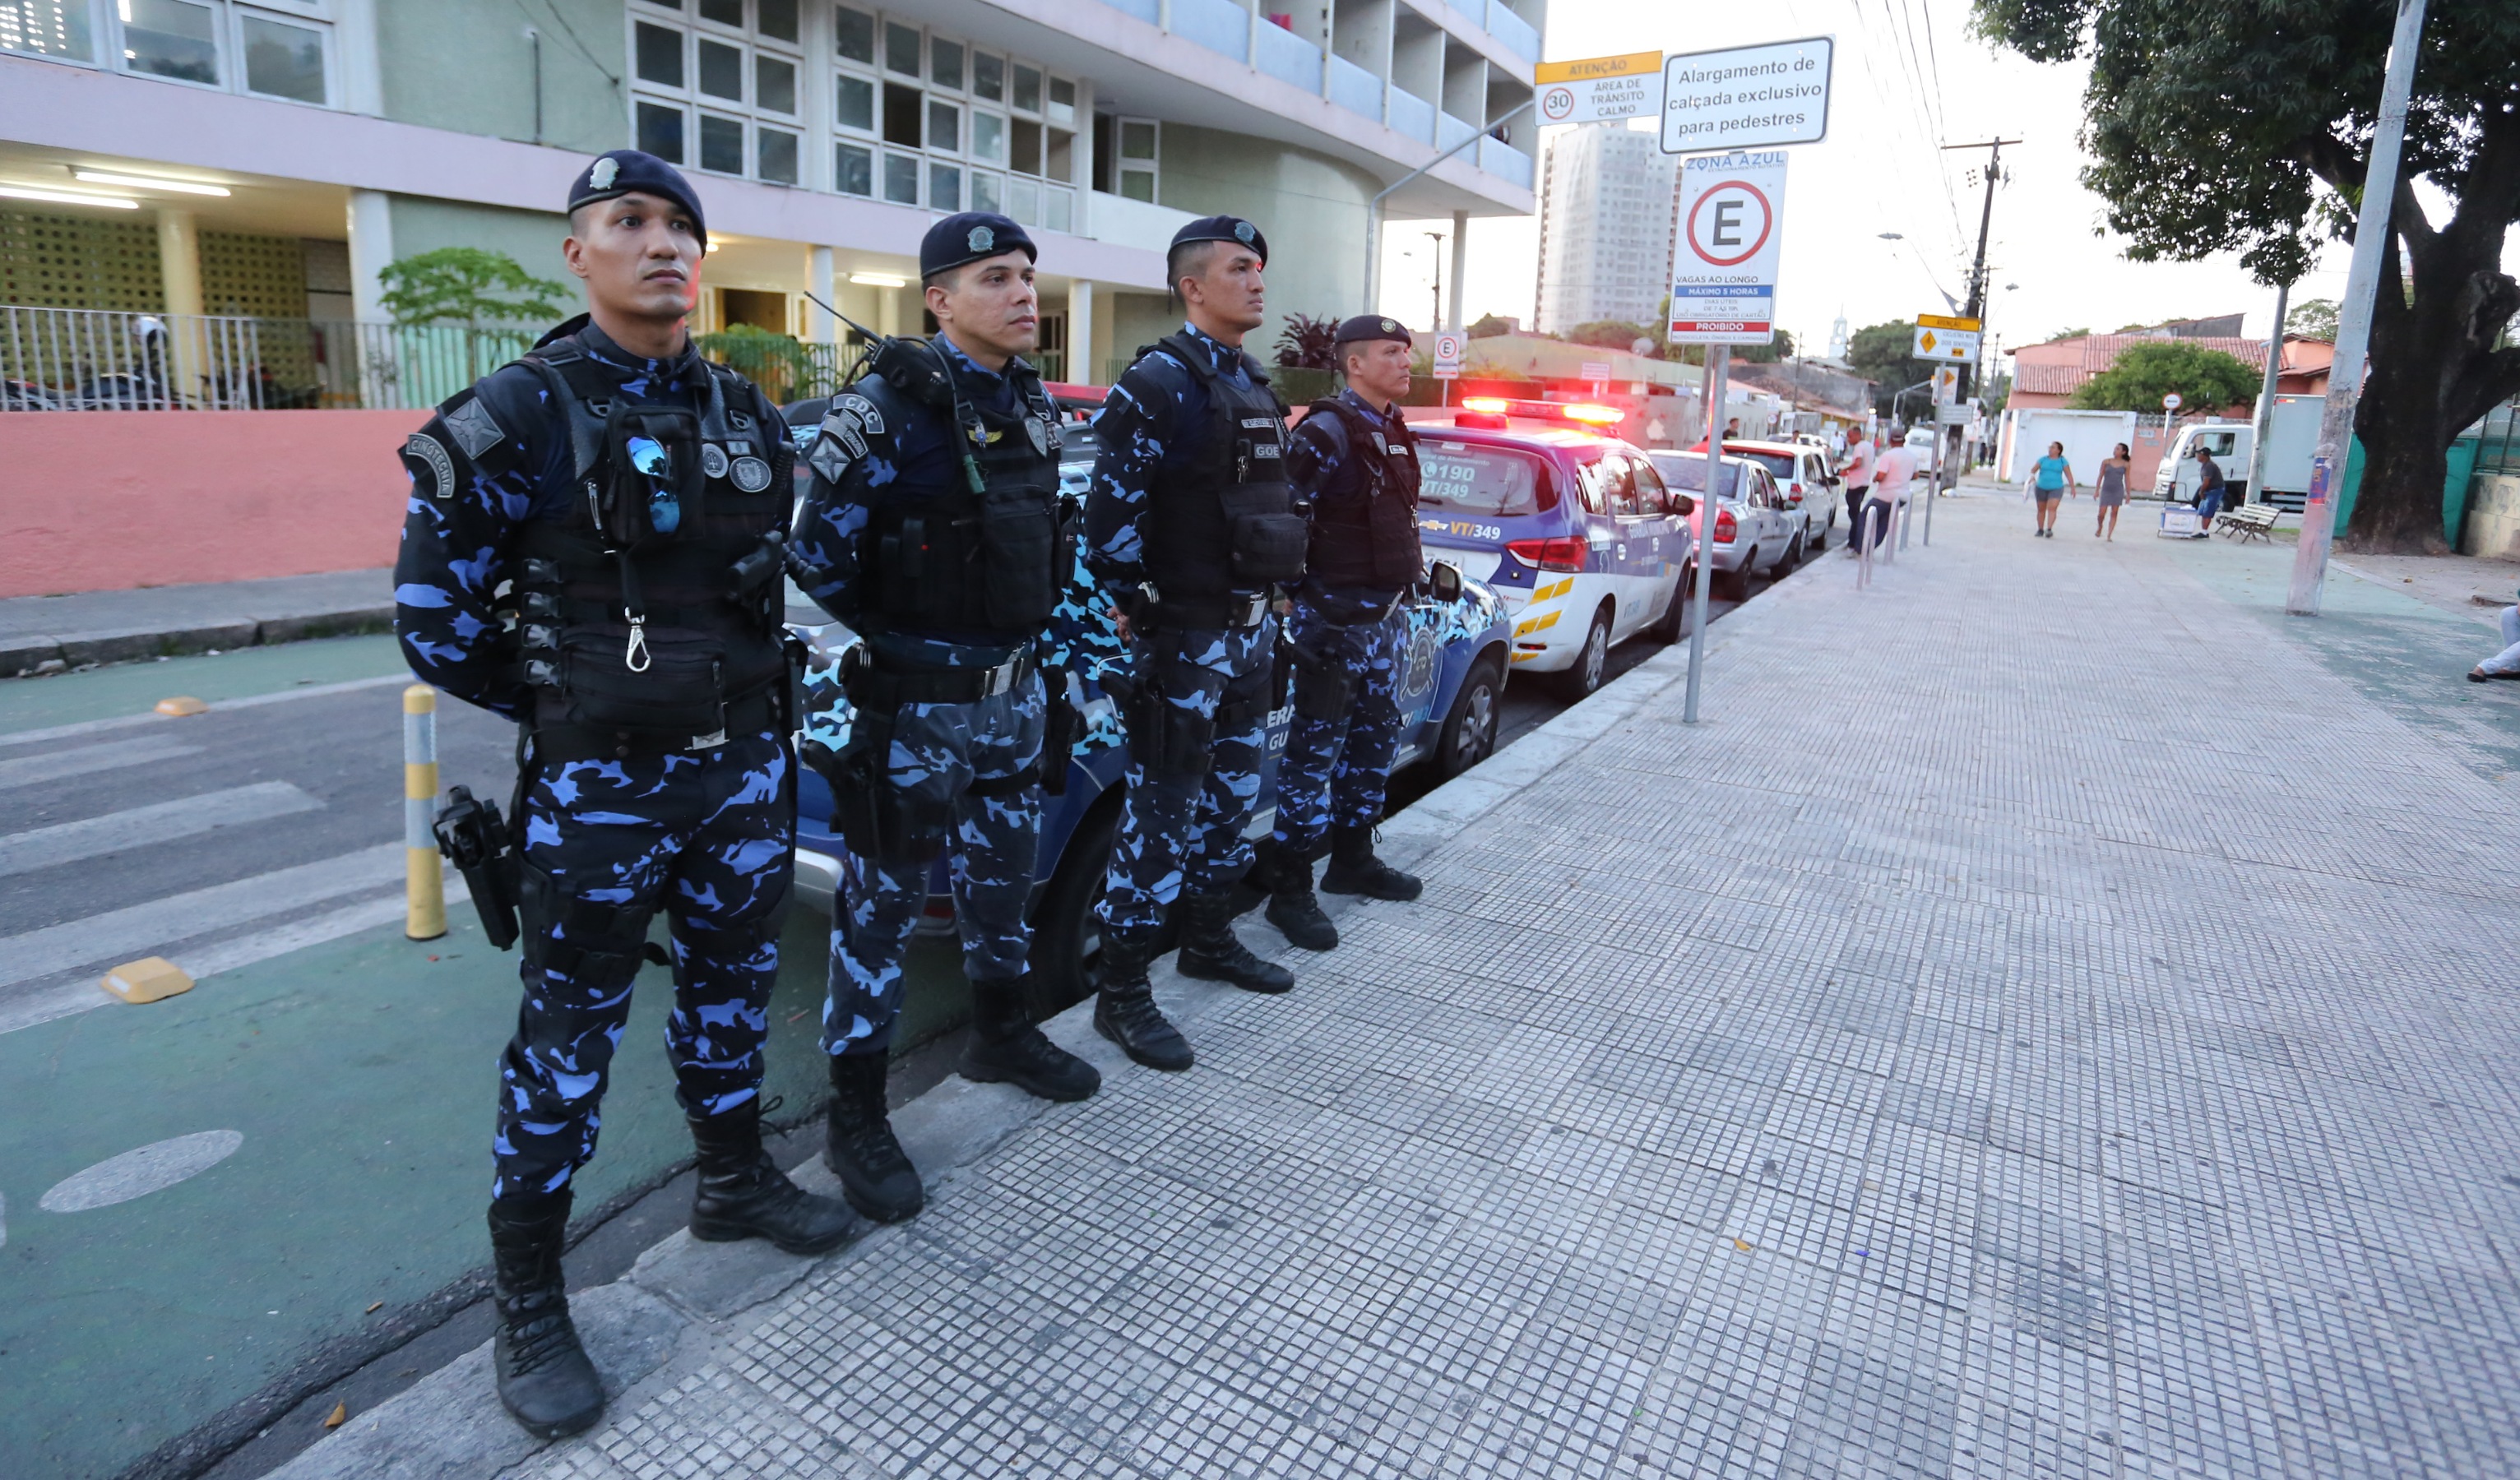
(139, 826)
(27, 770)
(119, 935)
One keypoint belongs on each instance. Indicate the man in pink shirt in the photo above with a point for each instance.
(1858, 474)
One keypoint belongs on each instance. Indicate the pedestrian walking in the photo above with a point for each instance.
(1191, 527)
(627, 500)
(933, 527)
(2111, 490)
(2209, 489)
(1858, 474)
(1355, 461)
(2050, 477)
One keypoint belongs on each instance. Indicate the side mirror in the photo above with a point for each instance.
(1444, 580)
(1683, 504)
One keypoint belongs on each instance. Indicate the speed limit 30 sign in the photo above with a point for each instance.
(1724, 256)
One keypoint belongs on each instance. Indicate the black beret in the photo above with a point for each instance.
(1224, 229)
(1370, 326)
(970, 237)
(620, 171)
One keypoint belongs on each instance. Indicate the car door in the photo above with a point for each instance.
(1655, 537)
(1617, 483)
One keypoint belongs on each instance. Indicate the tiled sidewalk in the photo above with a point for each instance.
(1968, 1053)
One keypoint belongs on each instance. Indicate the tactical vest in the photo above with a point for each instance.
(990, 560)
(651, 614)
(1228, 522)
(1365, 536)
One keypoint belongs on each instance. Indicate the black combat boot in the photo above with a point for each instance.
(742, 1193)
(545, 1380)
(1293, 908)
(876, 1173)
(1125, 1011)
(1211, 951)
(1354, 870)
(1006, 1048)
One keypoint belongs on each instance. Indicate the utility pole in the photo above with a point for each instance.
(2372, 228)
(2265, 416)
(1977, 270)
(1435, 252)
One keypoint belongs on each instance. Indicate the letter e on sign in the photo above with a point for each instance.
(1730, 223)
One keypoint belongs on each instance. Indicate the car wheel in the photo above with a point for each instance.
(1470, 733)
(1066, 934)
(1793, 560)
(1593, 663)
(1733, 585)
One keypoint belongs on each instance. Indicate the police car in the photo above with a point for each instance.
(1451, 686)
(1573, 528)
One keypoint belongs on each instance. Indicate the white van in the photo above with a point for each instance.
(2291, 443)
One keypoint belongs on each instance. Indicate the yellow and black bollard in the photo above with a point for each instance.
(425, 915)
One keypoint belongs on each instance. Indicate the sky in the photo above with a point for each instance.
(1880, 170)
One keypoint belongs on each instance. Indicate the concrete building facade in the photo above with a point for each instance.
(1609, 198)
(340, 136)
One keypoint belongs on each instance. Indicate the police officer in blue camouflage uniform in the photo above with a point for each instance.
(934, 528)
(1192, 527)
(1355, 461)
(592, 548)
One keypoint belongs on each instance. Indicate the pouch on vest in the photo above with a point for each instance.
(680, 693)
(1020, 536)
(1269, 542)
(655, 476)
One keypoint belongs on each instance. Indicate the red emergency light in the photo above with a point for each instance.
(1494, 412)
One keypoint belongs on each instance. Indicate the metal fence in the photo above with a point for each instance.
(71, 359)
(2497, 438)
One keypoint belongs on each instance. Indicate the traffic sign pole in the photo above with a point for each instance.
(1719, 361)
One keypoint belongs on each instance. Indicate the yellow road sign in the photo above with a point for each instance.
(1944, 321)
(1634, 63)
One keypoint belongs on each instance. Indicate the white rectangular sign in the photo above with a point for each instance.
(1599, 89)
(1724, 256)
(1954, 345)
(1751, 97)
(1448, 356)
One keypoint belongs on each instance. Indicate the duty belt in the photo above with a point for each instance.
(870, 687)
(1236, 611)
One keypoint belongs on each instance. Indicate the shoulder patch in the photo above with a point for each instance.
(473, 428)
(430, 454)
(841, 439)
(868, 415)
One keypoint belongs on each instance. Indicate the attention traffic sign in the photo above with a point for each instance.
(1724, 263)
(1597, 89)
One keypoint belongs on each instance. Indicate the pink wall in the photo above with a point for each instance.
(112, 500)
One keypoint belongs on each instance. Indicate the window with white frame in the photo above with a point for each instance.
(719, 85)
(268, 48)
(929, 119)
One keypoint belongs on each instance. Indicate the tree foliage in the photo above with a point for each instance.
(1489, 326)
(1879, 352)
(1307, 342)
(1615, 334)
(2312, 319)
(2246, 125)
(465, 285)
(2204, 380)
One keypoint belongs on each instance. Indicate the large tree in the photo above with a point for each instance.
(2247, 124)
(1880, 353)
(2204, 380)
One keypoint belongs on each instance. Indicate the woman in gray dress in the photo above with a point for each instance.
(2112, 491)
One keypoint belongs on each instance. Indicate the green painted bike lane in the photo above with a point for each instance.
(362, 1075)
(133, 688)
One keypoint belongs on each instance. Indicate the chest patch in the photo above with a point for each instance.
(712, 460)
(752, 474)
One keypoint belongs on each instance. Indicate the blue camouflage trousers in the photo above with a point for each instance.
(708, 836)
(1333, 772)
(1181, 831)
(939, 753)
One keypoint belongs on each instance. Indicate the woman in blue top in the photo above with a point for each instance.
(2050, 478)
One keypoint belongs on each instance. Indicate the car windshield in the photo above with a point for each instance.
(1465, 477)
(1688, 471)
(1781, 464)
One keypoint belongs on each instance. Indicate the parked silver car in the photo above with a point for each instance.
(1755, 532)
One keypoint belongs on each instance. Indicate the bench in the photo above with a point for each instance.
(2248, 522)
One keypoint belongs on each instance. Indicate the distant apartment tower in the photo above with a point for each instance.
(1606, 203)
